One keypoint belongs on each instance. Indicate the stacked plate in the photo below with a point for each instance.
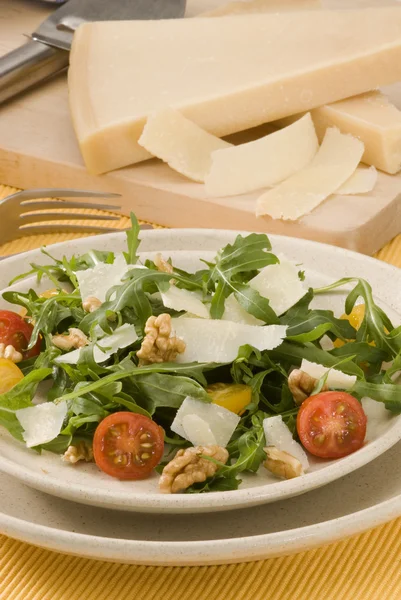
(81, 511)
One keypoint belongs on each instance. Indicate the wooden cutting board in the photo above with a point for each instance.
(38, 149)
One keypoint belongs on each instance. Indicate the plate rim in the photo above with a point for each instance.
(208, 502)
(203, 552)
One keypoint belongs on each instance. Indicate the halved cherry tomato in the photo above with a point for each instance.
(127, 445)
(15, 331)
(10, 375)
(331, 424)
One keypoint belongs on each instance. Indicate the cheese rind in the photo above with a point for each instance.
(180, 143)
(225, 74)
(362, 181)
(260, 6)
(335, 162)
(264, 162)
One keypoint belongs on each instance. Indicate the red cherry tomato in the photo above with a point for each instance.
(127, 445)
(331, 424)
(15, 331)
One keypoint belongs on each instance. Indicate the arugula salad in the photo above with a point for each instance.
(142, 366)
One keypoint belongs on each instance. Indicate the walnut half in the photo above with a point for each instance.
(10, 353)
(81, 451)
(75, 339)
(158, 344)
(188, 467)
(301, 385)
(282, 464)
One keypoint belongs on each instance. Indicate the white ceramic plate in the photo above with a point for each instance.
(84, 483)
(357, 502)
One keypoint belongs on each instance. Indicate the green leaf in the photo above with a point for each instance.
(234, 266)
(388, 393)
(375, 323)
(215, 484)
(20, 396)
(247, 449)
(133, 241)
(155, 390)
(291, 354)
(255, 304)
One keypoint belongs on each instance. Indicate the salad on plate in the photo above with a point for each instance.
(142, 366)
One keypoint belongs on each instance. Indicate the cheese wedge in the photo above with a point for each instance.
(372, 118)
(261, 6)
(264, 162)
(225, 74)
(361, 182)
(335, 162)
(183, 145)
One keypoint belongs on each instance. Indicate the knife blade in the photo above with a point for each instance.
(47, 52)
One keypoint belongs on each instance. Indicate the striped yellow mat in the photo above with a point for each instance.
(364, 567)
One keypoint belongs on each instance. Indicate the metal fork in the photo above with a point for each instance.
(18, 217)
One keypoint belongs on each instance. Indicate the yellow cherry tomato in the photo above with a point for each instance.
(232, 396)
(49, 293)
(10, 375)
(355, 318)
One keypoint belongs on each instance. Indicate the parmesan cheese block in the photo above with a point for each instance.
(372, 118)
(260, 6)
(178, 141)
(360, 182)
(264, 162)
(225, 74)
(335, 162)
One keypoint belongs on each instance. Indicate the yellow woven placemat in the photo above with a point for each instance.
(364, 567)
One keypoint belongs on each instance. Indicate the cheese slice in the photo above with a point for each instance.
(335, 379)
(335, 162)
(280, 284)
(372, 118)
(264, 162)
(203, 424)
(178, 141)
(179, 299)
(122, 337)
(42, 422)
(212, 340)
(225, 74)
(362, 181)
(260, 6)
(278, 435)
(98, 280)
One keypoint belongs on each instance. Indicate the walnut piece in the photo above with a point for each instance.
(301, 385)
(10, 353)
(82, 451)
(91, 303)
(162, 265)
(75, 339)
(188, 467)
(158, 345)
(282, 464)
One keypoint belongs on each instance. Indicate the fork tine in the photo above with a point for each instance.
(60, 193)
(39, 229)
(28, 218)
(44, 204)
